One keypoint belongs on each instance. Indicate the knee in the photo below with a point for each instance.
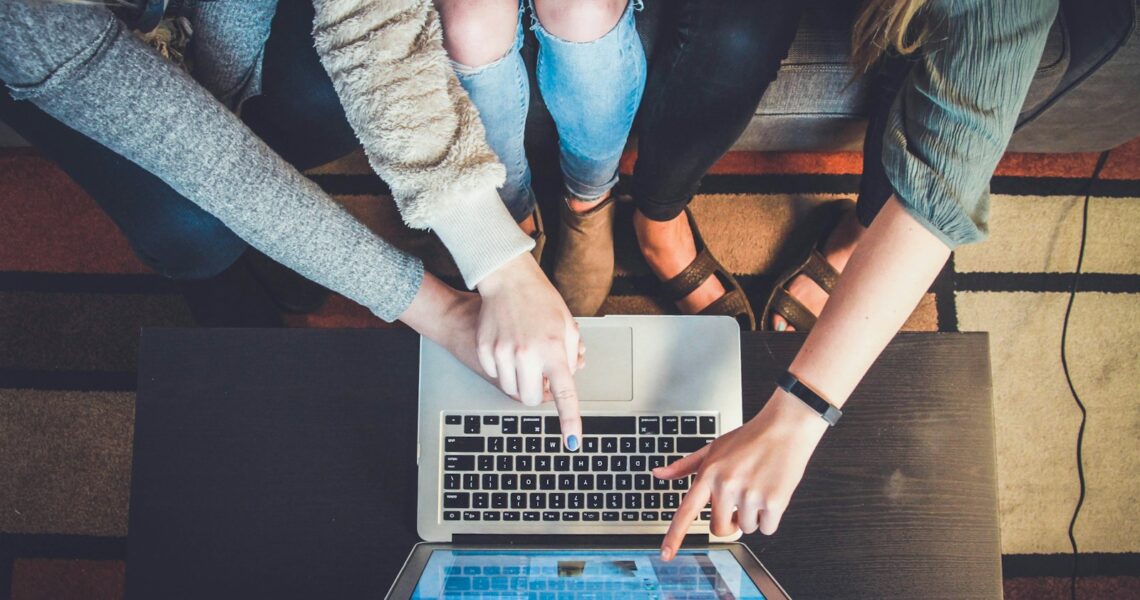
(477, 33)
(579, 20)
(188, 246)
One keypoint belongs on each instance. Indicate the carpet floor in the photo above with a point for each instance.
(73, 297)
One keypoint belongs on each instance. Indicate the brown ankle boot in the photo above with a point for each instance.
(584, 261)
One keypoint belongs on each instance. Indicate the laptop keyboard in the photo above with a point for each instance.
(513, 468)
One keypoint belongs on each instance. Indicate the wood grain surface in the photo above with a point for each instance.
(281, 463)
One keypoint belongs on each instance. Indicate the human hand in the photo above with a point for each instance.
(527, 340)
(748, 474)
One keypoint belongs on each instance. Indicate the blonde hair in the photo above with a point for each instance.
(884, 25)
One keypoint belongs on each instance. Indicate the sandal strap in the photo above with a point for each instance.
(794, 312)
(733, 304)
(692, 276)
(820, 271)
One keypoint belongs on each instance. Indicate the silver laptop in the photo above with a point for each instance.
(654, 389)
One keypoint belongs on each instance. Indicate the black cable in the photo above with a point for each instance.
(1065, 366)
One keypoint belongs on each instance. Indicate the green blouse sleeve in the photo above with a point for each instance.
(954, 115)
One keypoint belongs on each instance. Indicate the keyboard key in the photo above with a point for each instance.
(590, 444)
(688, 425)
(542, 463)
(608, 425)
(708, 425)
(585, 482)
(557, 501)
(456, 500)
(552, 445)
(591, 516)
(514, 444)
(531, 425)
(656, 461)
(618, 463)
(471, 424)
(471, 515)
(641, 482)
(670, 425)
(453, 420)
(505, 463)
(576, 501)
(470, 481)
(550, 516)
(566, 482)
(518, 500)
(450, 515)
(660, 484)
(633, 500)
(531, 515)
(512, 515)
(490, 419)
(667, 515)
(665, 445)
(627, 445)
(533, 445)
(637, 463)
(600, 463)
(671, 500)
(459, 463)
(570, 516)
(610, 516)
(609, 445)
(692, 444)
(523, 463)
(613, 501)
(509, 481)
(486, 463)
(581, 463)
(648, 425)
(490, 515)
(623, 481)
(463, 444)
(562, 463)
(480, 500)
(646, 445)
(537, 501)
(595, 500)
(629, 515)
(552, 426)
(500, 500)
(528, 481)
(681, 484)
(649, 516)
(652, 501)
(451, 481)
(706, 515)
(605, 482)
(510, 425)
(546, 482)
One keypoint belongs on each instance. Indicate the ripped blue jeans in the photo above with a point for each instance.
(592, 90)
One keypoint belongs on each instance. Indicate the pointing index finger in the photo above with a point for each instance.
(690, 507)
(565, 393)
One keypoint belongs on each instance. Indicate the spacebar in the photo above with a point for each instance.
(602, 425)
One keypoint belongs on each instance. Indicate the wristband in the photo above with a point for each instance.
(795, 387)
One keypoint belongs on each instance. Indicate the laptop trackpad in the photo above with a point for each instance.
(608, 375)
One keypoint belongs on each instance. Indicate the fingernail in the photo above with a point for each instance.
(572, 443)
(781, 326)
(666, 553)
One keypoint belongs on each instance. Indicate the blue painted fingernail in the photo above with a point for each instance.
(781, 326)
(572, 443)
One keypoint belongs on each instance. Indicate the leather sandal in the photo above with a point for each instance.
(733, 303)
(812, 264)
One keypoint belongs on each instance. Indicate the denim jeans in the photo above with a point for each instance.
(296, 111)
(592, 90)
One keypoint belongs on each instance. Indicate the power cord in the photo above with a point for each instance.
(1065, 366)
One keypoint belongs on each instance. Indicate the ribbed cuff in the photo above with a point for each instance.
(480, 234)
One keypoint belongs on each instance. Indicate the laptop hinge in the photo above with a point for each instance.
(568, 540)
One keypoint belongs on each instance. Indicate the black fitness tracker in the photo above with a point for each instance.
(795, 387)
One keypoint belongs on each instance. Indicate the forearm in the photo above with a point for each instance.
(896, 261)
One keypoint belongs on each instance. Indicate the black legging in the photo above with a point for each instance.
(712, 63)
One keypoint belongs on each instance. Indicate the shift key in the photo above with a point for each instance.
(459, 462)
(463, 444)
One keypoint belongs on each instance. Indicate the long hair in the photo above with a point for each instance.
(884, 25)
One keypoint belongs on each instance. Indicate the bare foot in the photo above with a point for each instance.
(669, 247)
(838, 249)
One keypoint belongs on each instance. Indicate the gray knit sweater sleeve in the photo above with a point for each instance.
(953, 118)
(419, 129)
(78, 64)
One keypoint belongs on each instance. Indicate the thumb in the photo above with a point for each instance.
(686, 466)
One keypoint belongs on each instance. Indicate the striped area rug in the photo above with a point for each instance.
(73, 297)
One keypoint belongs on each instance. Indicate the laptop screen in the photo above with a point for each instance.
(711, 574)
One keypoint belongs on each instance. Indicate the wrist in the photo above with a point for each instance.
(430, 311)
(792, 413)
(507, 275)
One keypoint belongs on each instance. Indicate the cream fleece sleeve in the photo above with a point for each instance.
(421, 133)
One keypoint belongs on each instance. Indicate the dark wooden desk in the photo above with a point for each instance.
(281, 464)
